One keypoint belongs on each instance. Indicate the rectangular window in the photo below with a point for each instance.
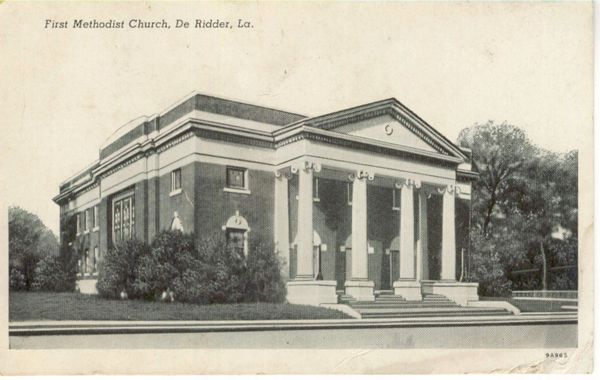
(176, 180)
(236, 178)
(316, 189)
(78, 227)
(349, 192)
(123, 218)
(95, 216)
(87, 220)
(396, 199)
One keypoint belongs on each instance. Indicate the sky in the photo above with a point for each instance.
(453, 64)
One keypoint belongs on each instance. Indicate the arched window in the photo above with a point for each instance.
(236, 233)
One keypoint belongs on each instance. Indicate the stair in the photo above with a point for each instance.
(432, 305)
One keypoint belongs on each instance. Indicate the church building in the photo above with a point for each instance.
(359, 202)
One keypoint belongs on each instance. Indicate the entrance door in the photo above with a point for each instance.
(340, 268)
(386, 270)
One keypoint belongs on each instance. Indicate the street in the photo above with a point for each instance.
(560, 335)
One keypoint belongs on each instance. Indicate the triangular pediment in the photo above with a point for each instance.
(389, 122)
(387, 129)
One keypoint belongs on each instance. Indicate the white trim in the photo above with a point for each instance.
(238, 191)
(97, 228)
(175, 192)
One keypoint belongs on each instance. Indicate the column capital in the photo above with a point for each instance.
(306, 166)
(450, 189)
(360, 175)
(408, 183)
(283, 173)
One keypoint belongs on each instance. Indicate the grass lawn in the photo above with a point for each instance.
(533, 306)
(25, 306)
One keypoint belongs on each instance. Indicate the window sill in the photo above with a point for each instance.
(237, 191)
(314, 199)
(175, 192)
(395, 208)
(96, 229)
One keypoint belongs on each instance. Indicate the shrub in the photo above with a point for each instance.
(487, 268)
(263, 274)
(224, 270)
(52, 276)
(17, 279)
(117, 270)
(171, 264)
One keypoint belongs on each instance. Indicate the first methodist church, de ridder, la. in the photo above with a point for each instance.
(361, 201)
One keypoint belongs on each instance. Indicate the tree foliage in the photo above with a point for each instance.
(524, 197)
(29, 240)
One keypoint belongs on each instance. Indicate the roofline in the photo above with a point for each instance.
(379, 103)
(227, 99)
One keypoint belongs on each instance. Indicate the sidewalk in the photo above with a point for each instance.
(30, 328)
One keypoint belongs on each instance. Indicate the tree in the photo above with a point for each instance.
(498, 152)
(28, 241)
(524, 194)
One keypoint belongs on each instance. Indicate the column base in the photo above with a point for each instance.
(360, 290)
(311, 292)
(409, 289)
(460, 292)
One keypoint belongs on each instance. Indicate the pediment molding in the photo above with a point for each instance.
(396, 111)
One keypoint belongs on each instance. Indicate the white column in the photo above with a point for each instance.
(359, 286)
(448, 271)
(407, 285)
(422, 248)
(407, 232)
(304, 238)
(360, 269)
(281, 219)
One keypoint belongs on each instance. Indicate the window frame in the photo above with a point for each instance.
(176, 185)
(86, 221)
(245, 189)
(78, 224)
(244, 240)
(349, 193)
(95, 219)
(121, 198)
(396, 199)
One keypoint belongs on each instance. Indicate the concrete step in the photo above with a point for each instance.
(425, 315)
(401, 306)
(413, 313)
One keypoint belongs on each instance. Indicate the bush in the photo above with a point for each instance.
(117, 270)
(52, 276)
(263, 274)
(487, 269)
(171, 265)
(17, 279)
(211, 272)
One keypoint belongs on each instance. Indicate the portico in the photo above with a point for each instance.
(408, 253)
(380, 191)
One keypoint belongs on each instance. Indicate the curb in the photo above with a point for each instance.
(135, 327)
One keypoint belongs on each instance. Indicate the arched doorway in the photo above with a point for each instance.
(343, 266)
(316, 257)
(236, 233)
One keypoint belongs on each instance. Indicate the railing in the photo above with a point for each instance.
(564, 294)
